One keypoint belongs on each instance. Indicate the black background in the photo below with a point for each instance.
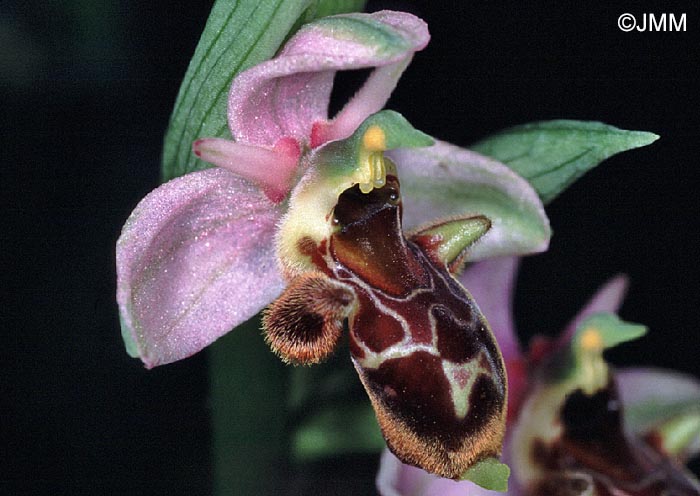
(87, 88)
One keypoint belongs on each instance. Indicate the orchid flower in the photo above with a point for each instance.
(197, 256)
(575, 425)
(306, 212)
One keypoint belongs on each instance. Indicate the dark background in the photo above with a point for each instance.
(86, 92)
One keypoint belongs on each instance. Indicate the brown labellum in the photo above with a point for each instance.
(422, 348)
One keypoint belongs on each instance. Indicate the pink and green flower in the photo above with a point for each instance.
(199, 255)
(361, 217)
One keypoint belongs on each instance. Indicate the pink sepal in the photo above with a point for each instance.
(194, 260)
(492, 284)
(398, 479)
(443, 180)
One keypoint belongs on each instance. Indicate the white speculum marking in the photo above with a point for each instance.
(405, 347)
(462, 377)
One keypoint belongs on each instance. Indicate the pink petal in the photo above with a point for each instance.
(492, 284)
(368, 100)
(194, 260)
(445, 180)
(285, 96)
(271, 169)
(607, 299)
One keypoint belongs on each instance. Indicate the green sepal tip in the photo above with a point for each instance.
(489, 473)
(131, 346)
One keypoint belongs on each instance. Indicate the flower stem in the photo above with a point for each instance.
(248, 422)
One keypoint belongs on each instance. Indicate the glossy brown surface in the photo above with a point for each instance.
(370, 242)
(423, 350)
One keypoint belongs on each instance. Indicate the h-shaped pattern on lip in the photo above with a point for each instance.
(422, 348)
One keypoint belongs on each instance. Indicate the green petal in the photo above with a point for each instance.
(449, 241)
(238, 34)
(551, 155)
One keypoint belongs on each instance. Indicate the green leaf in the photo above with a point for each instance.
(238, 34)
(551, 155)
(325, 8)
(336, 431)
(490, 474)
